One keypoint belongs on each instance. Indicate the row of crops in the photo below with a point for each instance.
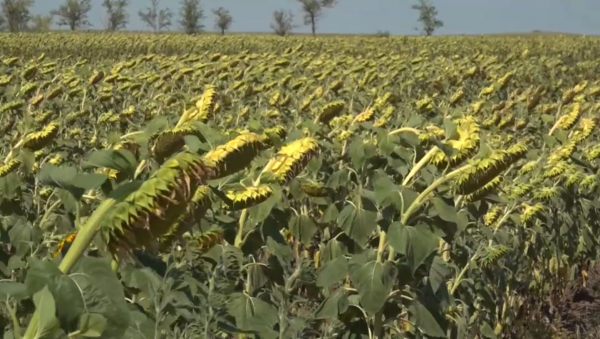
(165, 186)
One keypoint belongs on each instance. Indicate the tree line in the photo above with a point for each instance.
(17, 17)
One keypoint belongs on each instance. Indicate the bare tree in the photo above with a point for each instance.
(191, 16)
(16, 14)
(223, 19)
(428, 16)
(117, 14)
(41, 23)
(74, 13)
(283, 22)
(155, 18)
(313, 9)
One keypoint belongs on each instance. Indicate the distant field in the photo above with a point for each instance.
(250, 186)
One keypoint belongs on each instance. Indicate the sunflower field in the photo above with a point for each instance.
(169, 186)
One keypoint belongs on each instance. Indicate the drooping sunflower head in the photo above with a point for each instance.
(292, 158)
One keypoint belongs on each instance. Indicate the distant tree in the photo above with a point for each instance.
(191, 16)
(2, 23)
(74, 13)
(282, 22)
(155, 18)
(428, 16)
(41, 23)
(16, 14)
(116, 13)
(223, 19)
(313, 9)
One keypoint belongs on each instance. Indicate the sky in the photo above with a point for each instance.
(393, 16)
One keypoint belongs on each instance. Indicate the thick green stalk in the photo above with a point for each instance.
(82, 241)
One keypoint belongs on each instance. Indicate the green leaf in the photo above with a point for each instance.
(276, 244)
(331, 214)
(303, 228)
(338, 179)
(103, 294)
(193, 143)
(547, 118)
(487, 331)
(334, 305)
(332, 250)
(357, 223)
(425, 321)
(156, 124)
(89, 181)
(91, 325)
(13, 289)
(445, 211)
(386, 192)
(450, 129)
(438, 273)
(257, 278)
(46, 309)
(27, 158)
(416, 243)
(60, 177)
(374, 281)
(260, 212)
(65, 291)
(250, 313)
(356, 150)
(69, 201)
(121, 160)
(20, 236)
(333, 271)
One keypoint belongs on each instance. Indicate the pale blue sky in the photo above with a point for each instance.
(395, 16)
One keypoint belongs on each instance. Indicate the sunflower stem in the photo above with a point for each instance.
(11, 154)
(15, 321)
(421, 198)
(422, 163)
(381, 247)
(404, 129)
(48, 211)
(140, 168)
(82, 241)
(240, 232)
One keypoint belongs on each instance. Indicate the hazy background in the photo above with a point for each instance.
(394, 16)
